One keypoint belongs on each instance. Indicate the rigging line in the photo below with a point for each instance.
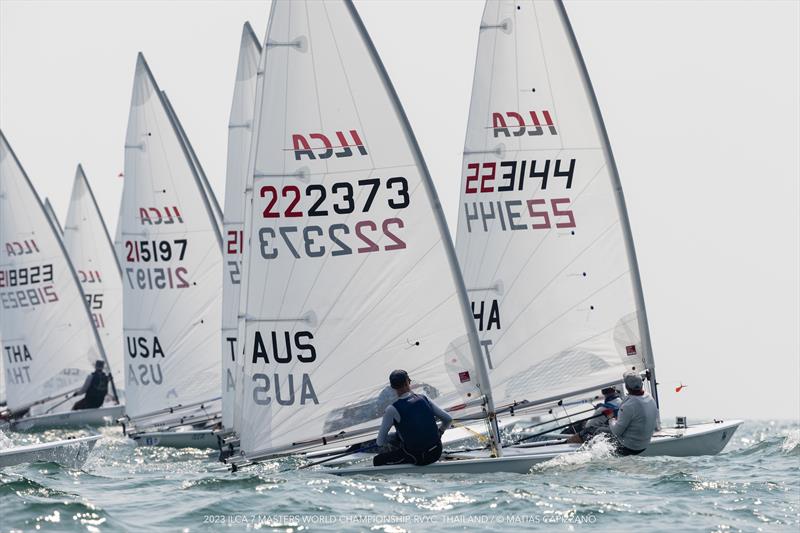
(350, 171)
(558, 317)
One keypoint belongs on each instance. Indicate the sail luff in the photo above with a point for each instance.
(86, 184)
(202, 181)
(441, 225)
(240, 128)
(644, 328)
(51, 214)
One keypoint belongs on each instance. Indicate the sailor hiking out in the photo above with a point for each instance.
(414, 416)
(637, 420)
(598, 423)
(95, 389)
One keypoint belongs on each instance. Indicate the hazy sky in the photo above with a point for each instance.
(700, 100)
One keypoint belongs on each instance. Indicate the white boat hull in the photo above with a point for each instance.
(69, 452)
(699, 439)
(101, 416)
(197, 438)
(520, 464)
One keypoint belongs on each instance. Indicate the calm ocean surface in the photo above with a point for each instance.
(754, 485)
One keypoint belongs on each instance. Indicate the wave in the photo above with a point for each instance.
(787, 443)
(791, 443)
(599, 448)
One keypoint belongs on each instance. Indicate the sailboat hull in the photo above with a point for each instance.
(202, 438)
(101, 416)
(699, 439)
(70, 452)
(519, 464)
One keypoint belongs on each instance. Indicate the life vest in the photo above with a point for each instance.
(613, 404)
(417, 426)
(98, 387)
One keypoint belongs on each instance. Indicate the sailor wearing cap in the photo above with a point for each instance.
(414, 416)
(637, 419)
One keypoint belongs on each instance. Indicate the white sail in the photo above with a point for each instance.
(49, 342)
(171, 263)
(349, 271)
(198, 168)
(543, 238)
(92, 254)
(240, 127)
(51, 214)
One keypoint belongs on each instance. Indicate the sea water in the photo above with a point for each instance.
(753, 485)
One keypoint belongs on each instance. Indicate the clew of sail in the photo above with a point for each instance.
(240, 128)
(92, 253)
(49, 341)
(350, 270)
(543, 239)
(171, 263)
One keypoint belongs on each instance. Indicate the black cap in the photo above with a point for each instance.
(609, 390)
(398, 378)
(99, 364)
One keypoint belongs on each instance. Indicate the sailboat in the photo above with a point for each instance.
(172, 271)
(240, 128)
(49, 342)
(91, 251)
(544, 239)
(349, 270)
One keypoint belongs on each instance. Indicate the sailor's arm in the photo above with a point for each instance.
(442, 415)
(86, 384)
(623, 420)
(386, 425)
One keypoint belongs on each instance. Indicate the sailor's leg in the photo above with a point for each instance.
(398, 456)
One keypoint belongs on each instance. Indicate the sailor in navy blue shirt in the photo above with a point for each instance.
(414, 416)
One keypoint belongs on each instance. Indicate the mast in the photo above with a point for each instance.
(644, 328)
(209, 192)
(441, 226)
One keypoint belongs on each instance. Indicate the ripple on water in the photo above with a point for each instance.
(754, 484)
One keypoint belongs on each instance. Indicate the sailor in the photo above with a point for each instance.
(414, 416)
(598, 422)
(95, 389)
(637, 420)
